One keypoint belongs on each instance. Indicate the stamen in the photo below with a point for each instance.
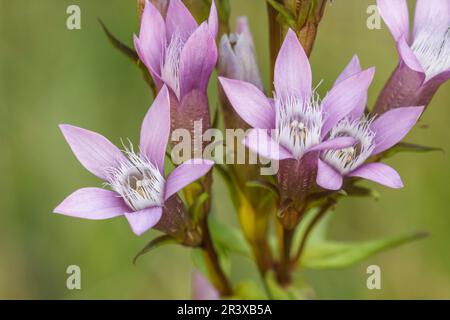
(170, 67)
(347, 159)
(432, 48)
(138, 181)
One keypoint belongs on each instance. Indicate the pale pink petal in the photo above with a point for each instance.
(155, 73)
(197, 61)
(292, 77)
(155, 130)
(334, 144)
(250, 103)
(179, 20)
(142, 220)
(432, 14)
(327, 177)
(431, 86)
(185, 174)
(213, 20)
(408, 57)
(345, 97)
(202, 289)
(261, 143)
(380, 173)
(96, 153)
(392, 126)
(92, 203)
(396, 16)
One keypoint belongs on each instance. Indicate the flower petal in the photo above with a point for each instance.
(408, 57)
(327, 177)
(197, 61)
(345, 97)
(180, 20)
(152, 38)
(92, 203)
(96, 153)
(213, 20)
(334, 144)
(250, 103)
(155, 130)
(431, 86)
(202, 289)
(185, 174)
(292, 76)
(396, 16)
(258, 141)
(380, 173)
(142, 220)
(393, 125)
(434, 14)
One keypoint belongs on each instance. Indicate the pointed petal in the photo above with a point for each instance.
(345, 97)
(431, 86)
(434, 14)
(380, 173)
(185, 174)
(408, 57)
(197, 61)
(92, 203)
(351, 69)
(250, 103)
(213, 20)
(155, 73)
(334, 144)
(258, 141)
(96, 153)
(155, 130)
(393, 125)
(142, 220)
(179, 20)
(242, 27)
(327, 177)
(152, 38)
(395, 15)
(292, 75)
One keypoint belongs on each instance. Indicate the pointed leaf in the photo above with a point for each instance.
(155, 243)
(228, 238)
(408, 147)
(284, 14)
(264, 185)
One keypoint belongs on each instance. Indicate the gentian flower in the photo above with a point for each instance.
(293, 126)
(424, 56)
(139, 189)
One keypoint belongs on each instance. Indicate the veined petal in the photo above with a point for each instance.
(185, 174)
(155, 130)
(96, 153)
(431, 86)
(334, 144)
(92, 203)
(395, 15)
(213, 20)
(392, 126)
(250, 103)
(197, 61)
(142, 220)
(258, 141)
(152, 38)
(179, 20)
(380, 173)
(327, 177)
(434, 13)
(345, 97)
(408, 56)
(155, 73)
(292, 76)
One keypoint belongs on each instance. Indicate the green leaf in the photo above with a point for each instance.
(335, 255)
(357, 191)
(278, 292)
(198, 259)
(195, 210)
(248, 290)
(129, 52)
(408, 147)
(228, 239)
(284, 14)
(264, 185)
(155, 243)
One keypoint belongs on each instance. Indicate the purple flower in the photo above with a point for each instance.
(202, 289)
(424, 56)
(176, 50)
(293, 126)
(139, 189)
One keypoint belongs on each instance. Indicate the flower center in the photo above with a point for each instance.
(139, 182)
(432, 49)
(298, 124)
(170, 67)
(348, 159)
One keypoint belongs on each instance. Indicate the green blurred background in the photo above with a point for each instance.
(51, 75)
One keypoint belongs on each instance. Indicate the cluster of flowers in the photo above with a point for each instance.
(319, 142)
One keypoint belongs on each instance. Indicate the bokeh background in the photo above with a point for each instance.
(51, 75)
